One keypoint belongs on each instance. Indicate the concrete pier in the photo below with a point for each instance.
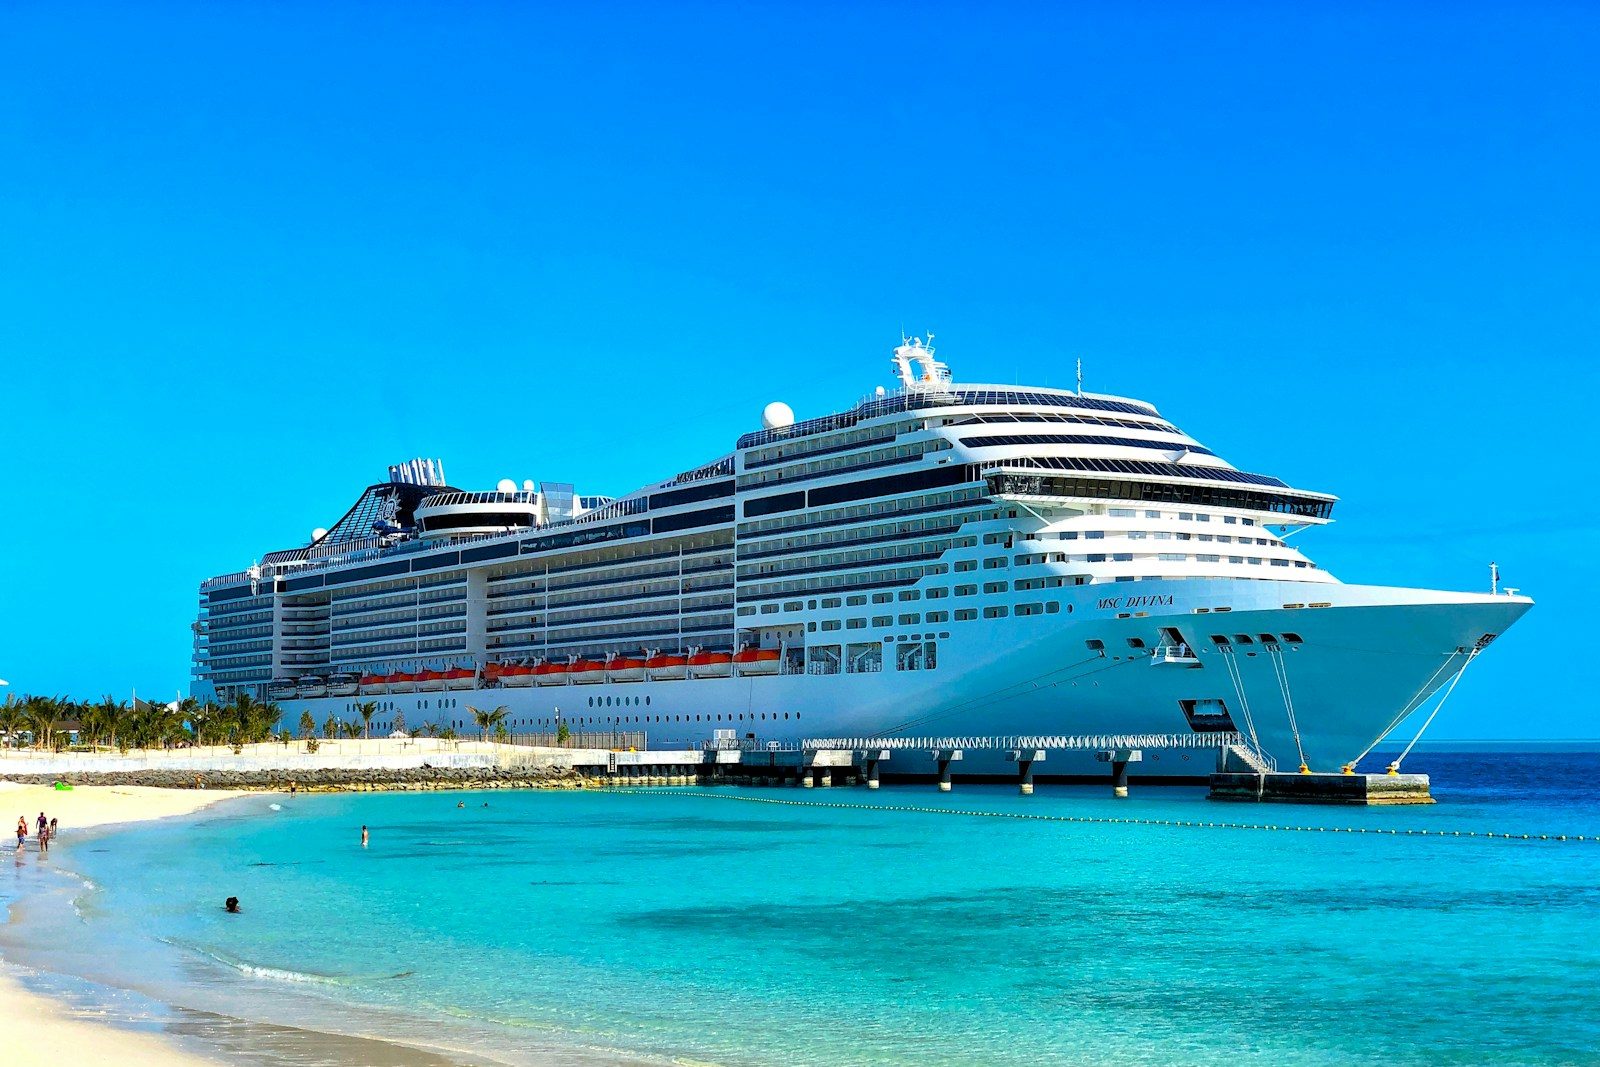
(1365, 789)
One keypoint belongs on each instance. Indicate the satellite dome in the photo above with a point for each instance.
(777, 415)
(318, 534)
(505, 485)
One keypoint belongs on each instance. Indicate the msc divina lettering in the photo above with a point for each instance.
(939, 560)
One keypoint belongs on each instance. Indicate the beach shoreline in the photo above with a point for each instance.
(60, 1015)
(43, 1031)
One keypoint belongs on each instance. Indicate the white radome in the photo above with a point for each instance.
(777, 415)
(506, 485)
(318, 534)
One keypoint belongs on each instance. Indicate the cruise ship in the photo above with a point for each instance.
(939, 560)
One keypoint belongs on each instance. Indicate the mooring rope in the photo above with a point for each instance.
(1407, 708)
(1395, 766)
(1105, 820)
(1234, 675)
(1281, 669)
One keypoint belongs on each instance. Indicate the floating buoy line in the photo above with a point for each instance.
(1107, 820)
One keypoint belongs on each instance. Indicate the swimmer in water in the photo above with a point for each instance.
(363, 837)
(231, 905)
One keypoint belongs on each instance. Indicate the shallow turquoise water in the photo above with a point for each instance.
(697, 925)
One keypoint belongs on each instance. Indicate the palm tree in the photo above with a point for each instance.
(367, 711)
(308, 725)
(13, 717)
(488, 720)
(40, 715)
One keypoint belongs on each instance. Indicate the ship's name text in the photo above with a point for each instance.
(1154, 600)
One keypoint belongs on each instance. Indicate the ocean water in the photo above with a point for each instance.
(714, 926)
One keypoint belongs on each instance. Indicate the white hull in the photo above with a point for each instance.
(1359, 664)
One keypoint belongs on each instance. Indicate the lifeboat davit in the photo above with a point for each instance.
(308, 686)
(550, 674)
(757, 661)
(666, 665)
(710, 664)
(626, 669)
(587, 670)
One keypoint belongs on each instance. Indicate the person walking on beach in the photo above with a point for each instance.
(52, 826)
(22, 831)
(43, 822)
(44, 838)
(363, 837)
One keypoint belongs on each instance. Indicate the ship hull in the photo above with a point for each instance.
(1349, 669)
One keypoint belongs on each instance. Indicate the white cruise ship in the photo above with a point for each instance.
(941, 560)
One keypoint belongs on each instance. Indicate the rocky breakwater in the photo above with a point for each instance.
(332, 779)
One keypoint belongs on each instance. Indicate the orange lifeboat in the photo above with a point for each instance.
(757, 661)
(459, 674)
(374, 683)
(402, 678)
(516, 674)
(626, 669)
(666, 665)
(710, 664)
(584, 671)
(550, 673)
(430, 680)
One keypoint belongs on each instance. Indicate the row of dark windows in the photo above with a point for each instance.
(850, 542)
(1139, 466)
(1080, 439)
(893, 405)
(888, 485)
(887, 436)
(1160, 492)
(988, 417)
(462, 519)
(573, 538)
(693, 494)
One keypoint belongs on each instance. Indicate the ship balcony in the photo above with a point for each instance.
(1178, 655)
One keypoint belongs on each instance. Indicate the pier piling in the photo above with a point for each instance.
(1119, 758)
(1025, 759)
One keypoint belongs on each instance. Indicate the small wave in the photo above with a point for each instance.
(282, 974)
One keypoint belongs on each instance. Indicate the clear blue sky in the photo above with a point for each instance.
(251, 254)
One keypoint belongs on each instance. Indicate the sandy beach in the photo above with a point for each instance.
(41, 1032)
